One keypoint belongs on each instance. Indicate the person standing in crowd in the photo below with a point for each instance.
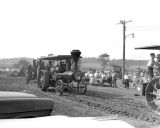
(102, 77)
(145, 81)
(39, 67)
(150, 66)
(114, 79)
(29, 73)
(87, 74)
(96, 74)
(91, 76)
(109, 77)
(126, 80)
(135, 80)
(35, 69)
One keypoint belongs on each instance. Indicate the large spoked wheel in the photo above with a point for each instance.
(44, 81)
(153, 95)
(59, 87)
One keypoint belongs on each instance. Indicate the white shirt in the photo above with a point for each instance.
(96, 74)
(90, 75)
(102, 75)
(151, 63)
(126, 77)
(145, 79)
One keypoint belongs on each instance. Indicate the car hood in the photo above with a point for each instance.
(61, 122)
(12, 102)
(7, 94)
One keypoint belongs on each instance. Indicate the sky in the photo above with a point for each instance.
(34, 28)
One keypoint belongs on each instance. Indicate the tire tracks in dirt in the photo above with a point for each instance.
(80, 108)
(105, 106)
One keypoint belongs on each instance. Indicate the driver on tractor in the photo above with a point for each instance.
(62, 67)
(157, 65)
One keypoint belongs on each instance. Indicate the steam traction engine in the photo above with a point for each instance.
(62, 74)
(152, 91)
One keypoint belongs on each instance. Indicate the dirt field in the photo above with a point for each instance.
(99, 101)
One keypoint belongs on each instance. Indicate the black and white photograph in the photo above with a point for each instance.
(80, 63)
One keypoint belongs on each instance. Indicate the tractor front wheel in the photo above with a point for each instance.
(59, 87)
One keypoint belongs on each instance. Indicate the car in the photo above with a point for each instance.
(105, 82)
(61, 121)
(15, 105)
(61, 73)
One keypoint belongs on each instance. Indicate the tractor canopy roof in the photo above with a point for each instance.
(59, 57)
(151, 47)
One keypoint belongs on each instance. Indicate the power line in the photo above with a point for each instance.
(144, 28)
(147, 30)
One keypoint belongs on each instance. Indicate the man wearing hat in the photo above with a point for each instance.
(135, 79)
(114, 79)
(157, 64)
(126, 80)
(150, 66)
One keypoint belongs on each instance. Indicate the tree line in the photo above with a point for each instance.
(86, 63)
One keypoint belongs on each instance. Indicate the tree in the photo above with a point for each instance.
(112, 64)
(24, 63)
(104, 59)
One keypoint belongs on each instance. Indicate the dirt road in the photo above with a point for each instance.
(99, 101)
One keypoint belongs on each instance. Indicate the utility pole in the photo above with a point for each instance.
(124, 39)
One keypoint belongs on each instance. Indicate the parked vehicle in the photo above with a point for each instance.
(99, 81)
(23, 105)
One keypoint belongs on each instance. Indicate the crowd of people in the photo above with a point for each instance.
(145, 76)
(110, 76)
(131, 79)
(134, 80)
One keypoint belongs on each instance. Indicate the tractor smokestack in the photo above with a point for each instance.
(75, 56)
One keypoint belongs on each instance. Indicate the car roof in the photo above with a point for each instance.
(59, 57)
(151, 47)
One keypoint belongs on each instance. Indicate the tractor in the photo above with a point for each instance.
(61, 73)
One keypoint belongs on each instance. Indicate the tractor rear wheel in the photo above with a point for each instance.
(152, 93)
